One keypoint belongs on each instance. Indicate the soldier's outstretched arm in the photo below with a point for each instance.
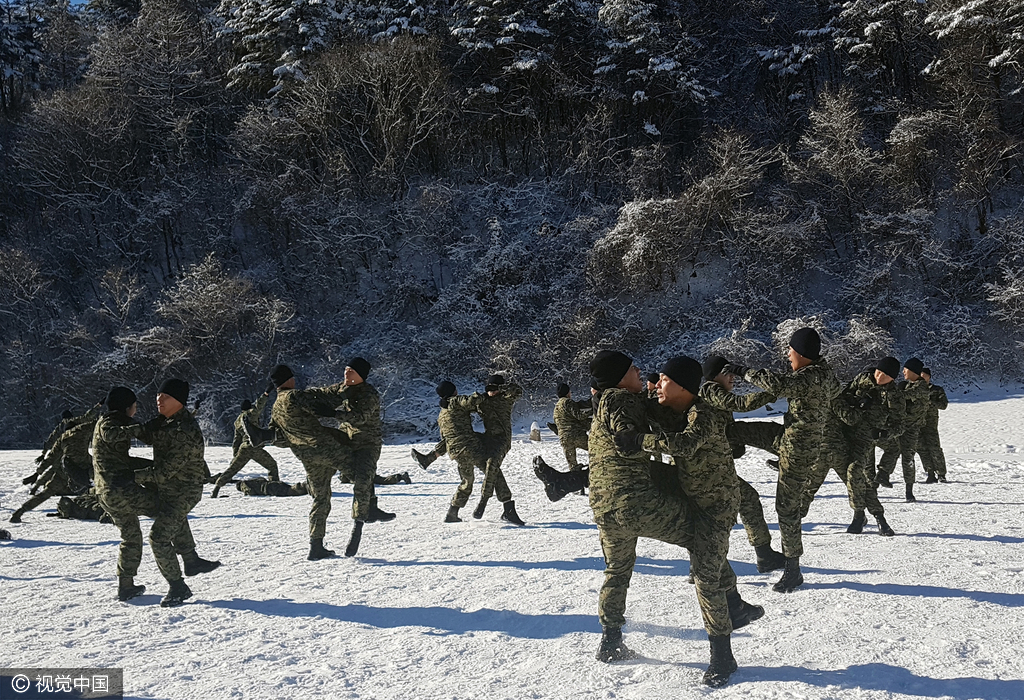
(787, 385)
(939, 398)
(683, 445)
(580, 410)
(261, 403)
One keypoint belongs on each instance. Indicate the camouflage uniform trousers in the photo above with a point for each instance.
(171, 535)
(571, 443)
(469, 460)
(66, 481)
(124, 505)
(667, 519)
(862, 477)
(797, 464)
(243, 457)
(321, 463)
(831, 457)
(764, 435)
(494, 478)
(930, 450)
(905, 447)
(752, 515)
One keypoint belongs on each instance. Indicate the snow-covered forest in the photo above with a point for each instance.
(450, 187)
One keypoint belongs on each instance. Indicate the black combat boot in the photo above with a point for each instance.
(317, 550)
(424, 460)
(791, 577)
(942, 479)
(882, 479)
(176, 594)
(857, 526)
(932, 479)
(612, 647)
(510, 515)
(722, 664)
(354, 538)
(5, 535)
(768, 559)
(126, 588)
(773, 464)
(910, 494)
(257, 436)
(478, 512)
(377, 515)
(558, 485)
(16, 516)
(453, 515)
(741, 612)
(553, 428)
(404, 476)
(196, 565)
(883, 527)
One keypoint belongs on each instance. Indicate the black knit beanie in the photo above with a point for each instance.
(926, 370)
(653, 378)
(890, 366)
(361, 366)
(807, 342)
(713, 366)
(608, 368)
(914, 365)
(684, 371)
(67, 415)
(563, 390)
(246, 404)
(175, 388)
(120, 398)
(281, 374)
(445, 389)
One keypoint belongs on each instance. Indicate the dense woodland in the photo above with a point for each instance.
(448, 188)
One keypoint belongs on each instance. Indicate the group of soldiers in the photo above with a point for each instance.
(685, 414)
(661, 464)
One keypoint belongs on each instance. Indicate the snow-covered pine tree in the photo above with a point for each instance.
(20, 51)
(273, 40)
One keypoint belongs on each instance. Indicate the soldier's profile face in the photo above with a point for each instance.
(670, 393)
(352, 377)
(881, 378)
(910, 376)
(727, 380)
(927, 377)
(631, 381)
(167, 405)
(132, 409)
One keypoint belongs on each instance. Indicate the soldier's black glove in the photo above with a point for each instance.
(738, 450)
(879, 434)
(30, 479)
(865, 402)
(738, 370)
(40, 458)
(443, 402)
(628, 441)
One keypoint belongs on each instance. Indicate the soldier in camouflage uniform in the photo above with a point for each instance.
(67, 422)
(178, 473)
(495, 409)
(242, 450)
(295, 420)
(460, 442)
(119, 494)
(652, 385)
(65, 471)
(716, 395)
(810, 388)
(264, 487)
(628, 504)
(572, 418)
(871, 408)
(928, 445)
(918, 397)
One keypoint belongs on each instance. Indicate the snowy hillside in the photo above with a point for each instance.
(484, 610)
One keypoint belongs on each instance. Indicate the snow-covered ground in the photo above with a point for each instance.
(486, 610)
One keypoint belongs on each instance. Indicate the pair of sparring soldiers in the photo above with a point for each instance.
(472, 450)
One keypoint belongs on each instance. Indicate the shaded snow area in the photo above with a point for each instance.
(486, 610)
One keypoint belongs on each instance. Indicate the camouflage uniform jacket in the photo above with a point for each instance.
(359, 414)
(619, 481)
(456, 426)
(496, 412)
(178, 449)
(113, 467)
(885, 412)
(67, 424)
(253, 415)
(939, 402)
(918, 395)
(572, 418)
(697, 443)
(810, 391)
(74, 443)
(297, 412)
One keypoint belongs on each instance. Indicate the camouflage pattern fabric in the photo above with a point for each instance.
(496, 412)
(359, 413)
(929, 446)
(264, 487)
(466, 446)
(572, 418)
(752, 515)
(764, 435)
(84, 507)
(242, 450)
(810, 391)
(389, 480)
(918, 399)
(628, 505)
(296, 415)
(699, 448)
(67, 424)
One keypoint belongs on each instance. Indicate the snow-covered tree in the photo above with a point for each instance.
(21, 51)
